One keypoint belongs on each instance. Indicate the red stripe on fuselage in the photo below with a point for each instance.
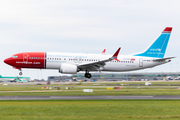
(28, 60)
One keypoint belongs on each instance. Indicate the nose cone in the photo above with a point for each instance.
(7, 61)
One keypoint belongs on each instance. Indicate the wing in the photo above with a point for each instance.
(98, 64)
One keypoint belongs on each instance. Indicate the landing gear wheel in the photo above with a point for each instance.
(20, 73)
(87, 75)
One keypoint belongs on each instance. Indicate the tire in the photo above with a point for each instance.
(87, 75)
(20, 73)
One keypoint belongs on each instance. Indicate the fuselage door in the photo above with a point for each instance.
(25, 57)
(140, 62)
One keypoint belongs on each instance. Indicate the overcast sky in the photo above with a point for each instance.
(86, 26)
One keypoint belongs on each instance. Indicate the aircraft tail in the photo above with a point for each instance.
(158, 48)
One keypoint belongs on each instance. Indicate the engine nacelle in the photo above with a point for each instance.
(68, 68)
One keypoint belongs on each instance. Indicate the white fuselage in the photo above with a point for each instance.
(126, 63)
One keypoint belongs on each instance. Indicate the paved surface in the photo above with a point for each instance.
(162, 97)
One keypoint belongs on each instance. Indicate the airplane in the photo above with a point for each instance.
(14, 79)
(71, 63)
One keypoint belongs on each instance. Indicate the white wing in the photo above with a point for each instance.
(97, 65)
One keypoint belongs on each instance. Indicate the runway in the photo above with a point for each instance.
(130, 97)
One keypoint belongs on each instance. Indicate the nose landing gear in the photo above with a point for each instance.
(20, 73)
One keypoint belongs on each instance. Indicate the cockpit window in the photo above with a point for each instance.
(14, 56)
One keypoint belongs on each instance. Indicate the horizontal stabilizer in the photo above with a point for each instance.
(163, 59)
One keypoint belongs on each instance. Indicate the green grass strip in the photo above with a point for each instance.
(90, 109)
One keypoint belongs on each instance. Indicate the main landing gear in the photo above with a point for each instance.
(87, 74)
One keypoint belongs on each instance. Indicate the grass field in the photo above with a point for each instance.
(98, 89)
(90, 110)
(95, 92)
(33, 90)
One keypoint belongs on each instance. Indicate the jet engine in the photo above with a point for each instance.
(68, 68)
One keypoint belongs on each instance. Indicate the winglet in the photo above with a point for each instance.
(116, 55)
(104, 51)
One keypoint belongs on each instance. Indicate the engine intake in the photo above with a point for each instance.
(68, 68)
